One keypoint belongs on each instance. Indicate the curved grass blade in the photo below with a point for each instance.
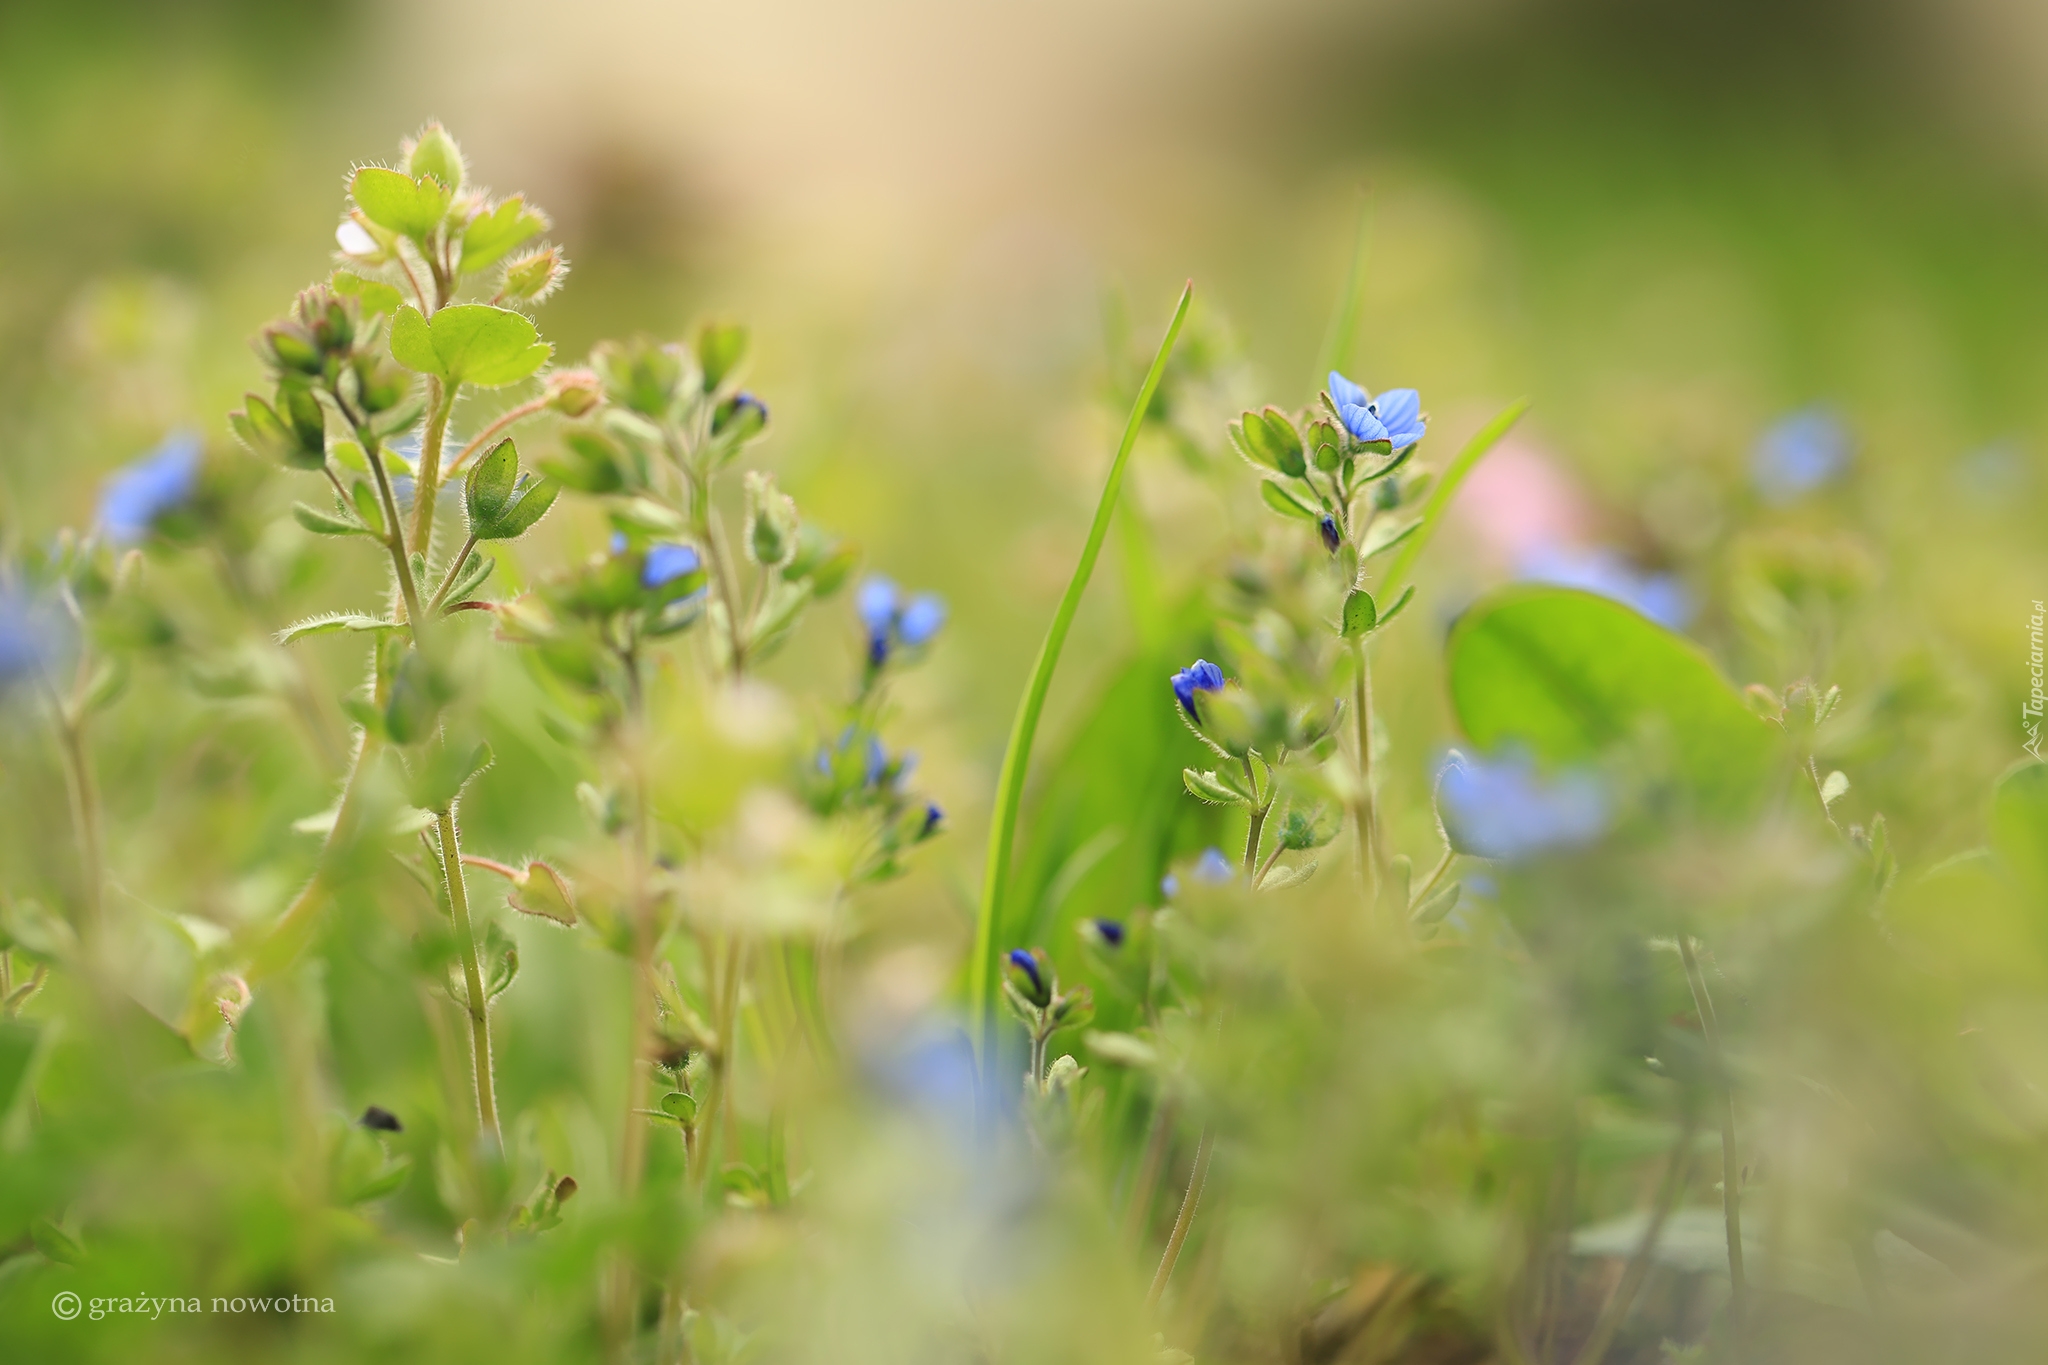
(1002, 833)
(1446, 488)
(1344, 325)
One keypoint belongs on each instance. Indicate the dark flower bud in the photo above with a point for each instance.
(1110, 932)
(1074, 1008)
(739, 416)
(933, 818)
(1030, 976)
(1327, 529)
(381, 1120)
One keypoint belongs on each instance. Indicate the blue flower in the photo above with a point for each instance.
(1503, 808)
(667, 562)
(1799, 453)
(29, 636)
(1169, 887)
(1394, 417)
(1327, 529)
(1110, 931)
(921, 619)
(1199, 676)
(1213, 867)
(889, 621)
(1658, 596)
(933, 818)
(142, 491)
(618, 542)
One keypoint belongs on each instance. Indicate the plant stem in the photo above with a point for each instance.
(85, 819)
(1258, 822)
(1365, 809)
(1140, 1206)
(1615, 1312)
(1731, 1166)
(454, 570)
(472, 977)
(722, 574)
(1188, 1204)
(1002, 833)
(427, 482)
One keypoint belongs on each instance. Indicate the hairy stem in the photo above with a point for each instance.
(454, 570)
(484, 437)
(427, 484)
(723, 578)
(1185, 1220)
(1139, 1209)
(1258, 823)
(1731, 1164)
(472, 976)
(83, 792)
(1364, 808)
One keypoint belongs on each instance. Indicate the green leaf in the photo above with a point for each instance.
(1567, 675)
(325, 523)
(365, 499)
(377, 296)
(1283, 502)
(493, 234)
(2019, 824)
(1399, 603)
(490, 483)
(469, 343)
(1833, 787)
(442, 771)
(333, 623)
(529, 502)
(1209, 787)
(1384, 534)
(1437, 904)
(680, 1107)
(1361, 614)
(395, 200)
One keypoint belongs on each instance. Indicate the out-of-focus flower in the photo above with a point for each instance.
(381, 1120)
(1169, 887)
(1394, 417)
(933, 818)
(1199, 676)
(147, 488)
(1658, 596)
(1110, 931)
(1212, 867)
(1503, 808)
(30, 635)
(667, 562)
(1800, 452)
(889, 621)
(1327, 529)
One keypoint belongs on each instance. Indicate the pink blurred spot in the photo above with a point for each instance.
(1518, 502)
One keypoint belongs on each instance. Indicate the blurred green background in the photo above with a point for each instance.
(1668, 224)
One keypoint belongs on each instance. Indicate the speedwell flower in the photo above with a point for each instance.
(1199, 676)
(890, 621)
(1394, 417)
(143, 491)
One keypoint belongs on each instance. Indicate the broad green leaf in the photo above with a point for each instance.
(1361, 614)
(332, 623)
(395, 200)
(1283, 502)
(2019, 824)
(528, 504)
(492, 234)
(377, 296)
(1209, 787)
(1567, 675)
(365, 499)
(325, 523)
(1400, 602)
(679, 1107)
(469, 343)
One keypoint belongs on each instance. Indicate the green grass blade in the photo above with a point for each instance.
(1446, 488)
(1002, 833)
(1344, 325)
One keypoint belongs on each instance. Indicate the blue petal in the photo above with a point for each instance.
(1213, 867)
(921, 619)
(876, 603)
(145, 489)
(1503, 808)
(1361, 423)
(1800, 453)
(1346, 394)
(665, 563)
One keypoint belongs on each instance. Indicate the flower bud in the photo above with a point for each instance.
(1029, 975)
(1074, 1008)
(434, 153)
(540, 890)
(739, 417)
(574, 392)
(771, 521)
(533, 276)
(1326, 527)
(1199, 676)
(720, 348)
(641, 375)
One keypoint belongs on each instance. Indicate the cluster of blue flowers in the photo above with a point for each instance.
(142, 492)
(892, 622)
